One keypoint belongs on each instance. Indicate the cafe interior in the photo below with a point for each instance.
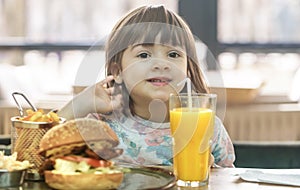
(250, 50)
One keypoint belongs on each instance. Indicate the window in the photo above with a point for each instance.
(270, 35)
(257, 37)
(65, 20)
(42, 42)
(259, 21)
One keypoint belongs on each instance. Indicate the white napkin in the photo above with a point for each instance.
(281, 179)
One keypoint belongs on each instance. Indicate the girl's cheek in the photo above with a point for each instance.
(131, 80)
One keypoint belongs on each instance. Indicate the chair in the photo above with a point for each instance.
(267, 154)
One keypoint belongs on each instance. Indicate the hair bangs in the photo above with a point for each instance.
(156, 33)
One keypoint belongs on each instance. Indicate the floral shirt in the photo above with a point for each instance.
(150, 143)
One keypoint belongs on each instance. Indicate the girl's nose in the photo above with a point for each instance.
(160, 65)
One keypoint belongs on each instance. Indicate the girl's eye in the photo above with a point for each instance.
(143, 55)
(174, 54)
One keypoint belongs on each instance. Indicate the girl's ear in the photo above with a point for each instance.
(118, 79)
(116, 71)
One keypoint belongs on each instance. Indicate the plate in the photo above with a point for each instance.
(148, 178)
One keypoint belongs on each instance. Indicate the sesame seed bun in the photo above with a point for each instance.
(76, 139)
(84, 131)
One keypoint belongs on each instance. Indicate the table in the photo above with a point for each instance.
(228, 179)
(220, 179)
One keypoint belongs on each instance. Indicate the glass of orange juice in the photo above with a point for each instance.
(192, 125)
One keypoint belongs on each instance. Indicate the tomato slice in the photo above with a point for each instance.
(90, 161)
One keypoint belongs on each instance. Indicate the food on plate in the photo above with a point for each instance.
(40, 116)
(10, 163)
(77, 155)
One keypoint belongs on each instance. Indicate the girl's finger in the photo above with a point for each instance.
(211, 160)
(106, 80)
(109, 91)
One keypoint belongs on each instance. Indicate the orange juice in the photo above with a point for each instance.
(188, 128)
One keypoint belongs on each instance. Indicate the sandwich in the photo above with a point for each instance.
(77, 156)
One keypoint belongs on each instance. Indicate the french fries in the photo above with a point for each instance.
(10, 163)
(40, 116)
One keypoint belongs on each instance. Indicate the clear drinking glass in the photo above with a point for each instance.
(192, 125)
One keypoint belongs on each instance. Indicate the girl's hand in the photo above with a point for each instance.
(96, 98)
(211, 160)
(105, 99)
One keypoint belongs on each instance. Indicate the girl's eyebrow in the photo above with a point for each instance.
(150, 44)
(143, 45)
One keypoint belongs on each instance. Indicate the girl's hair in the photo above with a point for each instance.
(142, 26)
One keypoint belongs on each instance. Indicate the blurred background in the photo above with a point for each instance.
(254, 45)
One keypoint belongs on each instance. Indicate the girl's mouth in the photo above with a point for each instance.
(159, 81)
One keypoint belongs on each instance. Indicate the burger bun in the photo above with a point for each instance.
(76, 181)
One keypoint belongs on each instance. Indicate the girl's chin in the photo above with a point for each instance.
(162, 97)
(153, 94)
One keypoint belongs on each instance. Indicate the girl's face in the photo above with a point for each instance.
(152, 72)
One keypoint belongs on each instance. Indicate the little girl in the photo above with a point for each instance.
(148, 52)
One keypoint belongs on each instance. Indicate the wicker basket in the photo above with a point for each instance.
(25, 140)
